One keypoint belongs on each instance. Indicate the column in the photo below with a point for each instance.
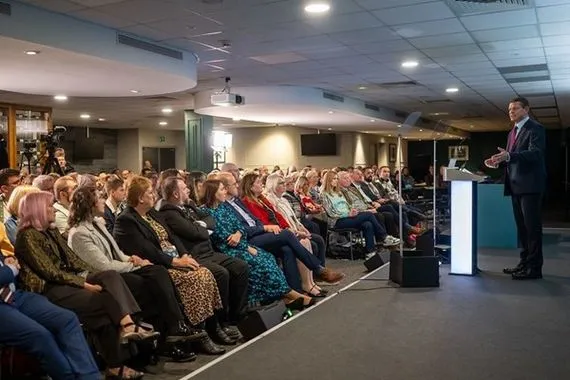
(199, 154)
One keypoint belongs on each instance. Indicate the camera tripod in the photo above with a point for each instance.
(26, 156)
(52, 165)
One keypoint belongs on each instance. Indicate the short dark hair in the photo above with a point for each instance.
(523, 101)
(169, 186)
(7, 173)
(82, 202)
(113, 183)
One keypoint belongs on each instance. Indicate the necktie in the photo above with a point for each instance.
(512, 139)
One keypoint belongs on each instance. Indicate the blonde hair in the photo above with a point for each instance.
(136, 187)
(13, 205)
(327, 186)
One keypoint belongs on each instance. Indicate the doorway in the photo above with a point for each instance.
(160, 158)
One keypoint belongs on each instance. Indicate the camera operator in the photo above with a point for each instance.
(63, 163)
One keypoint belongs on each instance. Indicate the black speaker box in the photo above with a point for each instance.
(262, 319)
(414, 269)
(376, 261)
(424, 243)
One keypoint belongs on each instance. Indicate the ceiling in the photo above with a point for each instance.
(356, 50)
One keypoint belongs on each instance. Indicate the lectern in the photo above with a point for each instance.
(463, 220)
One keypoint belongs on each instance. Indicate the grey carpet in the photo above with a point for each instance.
(471, 328)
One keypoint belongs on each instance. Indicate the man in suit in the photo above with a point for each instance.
(50, 333)
(525, 180)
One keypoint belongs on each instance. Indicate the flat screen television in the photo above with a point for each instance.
(323, 144)
(89, 149)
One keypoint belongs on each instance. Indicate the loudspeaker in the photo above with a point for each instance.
(380, 258)
(262, 319)
(424, 242)
(413, 269)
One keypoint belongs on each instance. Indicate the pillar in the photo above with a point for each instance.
(199, 154)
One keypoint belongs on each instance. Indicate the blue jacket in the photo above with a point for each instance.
(7, 277)
(250, 230)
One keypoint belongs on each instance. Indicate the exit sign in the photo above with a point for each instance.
(162, 138)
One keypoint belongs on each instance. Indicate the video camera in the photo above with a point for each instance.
(53, 138)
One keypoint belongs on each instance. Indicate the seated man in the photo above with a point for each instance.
(191, 226)
(50, 333)
(115, 202)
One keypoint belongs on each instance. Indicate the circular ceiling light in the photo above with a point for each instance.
(410, 64)
(362, 88)
(163, 123)
(317, 7)
(236, 119)
(331, 112)
(32, 52)
(85, 116)
(167, 110)
(421, 130)
(372, 120)
(329, 129)
(102, 119)
(135, 91)
(451, 90)
(60, 98)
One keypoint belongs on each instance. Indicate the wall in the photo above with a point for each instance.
(129, 154)
(109, 160)
(172, 139)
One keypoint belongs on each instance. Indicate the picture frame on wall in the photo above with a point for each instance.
(392, 152)
(459, 152)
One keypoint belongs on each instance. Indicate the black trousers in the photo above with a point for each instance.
(153, 289)
(100, 313)
(527, 211)
(232, 278)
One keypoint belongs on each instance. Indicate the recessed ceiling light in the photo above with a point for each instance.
(452, 89)
(135, 91)
(399, 125)
(372, 120)
(471, 126)
(438, 133)
(331, 112)
(362, 88)
(167, 110)
(330, 129)
(293, 124)
(102, 119)
(163, 123)
(85, 116)
(389, 135)
(60, 98)
(421, 130)
(236, 119)
(410, 64)
(32, 52)
(317, 7)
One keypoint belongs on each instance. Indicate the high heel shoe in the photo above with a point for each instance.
(298, 304)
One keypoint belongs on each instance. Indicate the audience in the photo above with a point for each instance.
(13, 207)
(44, 182)
(9, 180)
(114, 204)
(63, 190)
(195, 182)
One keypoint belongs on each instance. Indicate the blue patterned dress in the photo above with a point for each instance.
(267, 282)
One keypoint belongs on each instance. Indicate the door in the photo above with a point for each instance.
(150, 154)
(160, 158)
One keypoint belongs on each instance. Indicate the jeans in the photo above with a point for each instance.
(50, 333)
(368, 224)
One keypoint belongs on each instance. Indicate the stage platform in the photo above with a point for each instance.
(471, 328)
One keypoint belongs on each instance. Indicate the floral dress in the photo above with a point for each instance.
(267, 282)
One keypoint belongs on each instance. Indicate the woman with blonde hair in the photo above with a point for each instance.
(13, 207)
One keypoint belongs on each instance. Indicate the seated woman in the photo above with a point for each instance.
(13, 207)
(102, 301)
(341, 215)
(266, 281)
(150, 284)
(195, 182)
(140, 230)
(275, 188)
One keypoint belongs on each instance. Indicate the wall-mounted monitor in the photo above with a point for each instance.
(323, 144)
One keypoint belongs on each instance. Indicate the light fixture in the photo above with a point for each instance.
(135, 91)
(399, 125)
(452, 90)
(221, 141)
(102, 119)
(372, 120)
(236, 119)
(331, 112)
(163, 123)
(389, 135)
(167, 110)
(85, 116)
(32, 52)
(421, 130)
(330, 129)
(317, 7)
(362, 87)
(471, 126)
(410, 64)
(60, 98)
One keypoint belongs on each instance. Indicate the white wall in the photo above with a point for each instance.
(131, 141)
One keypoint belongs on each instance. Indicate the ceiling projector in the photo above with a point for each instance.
(226, 100)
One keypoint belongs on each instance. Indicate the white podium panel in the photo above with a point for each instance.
(463, 227)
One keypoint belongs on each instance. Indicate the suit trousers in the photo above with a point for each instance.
(100, 313)
(527, 212)
(232, 278)
(50, 333)
(155, 293)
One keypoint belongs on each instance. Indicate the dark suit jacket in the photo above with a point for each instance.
(181, 221)
(135, 237)
(6, 275)
(525, 173)
(250, 231)
(109, 217)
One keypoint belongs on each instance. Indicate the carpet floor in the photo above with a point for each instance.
(471, 328)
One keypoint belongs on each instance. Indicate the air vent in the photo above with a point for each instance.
(465, 7)
(143, 45)
(165, 98)
(434, 101)
(539, 78)
(5, 9)
(372, 107)
(523, 69)
(333, 97)
(408, 83)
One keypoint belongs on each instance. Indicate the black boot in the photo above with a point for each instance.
(208, 347)
(183, 332)
(217, 334)
(233, 333)
(176, 353)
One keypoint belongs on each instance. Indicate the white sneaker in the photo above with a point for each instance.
(390, 241)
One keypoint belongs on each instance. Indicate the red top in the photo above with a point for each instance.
(265, 212)
(310, 205)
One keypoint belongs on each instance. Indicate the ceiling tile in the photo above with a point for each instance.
(375, 4)
(519, 61)
(61, 6)
(504, 34)
(443, 40)
(416, 13)
(146, 32)
(556, 40)
(505, 19)
(553, 14)
(346, 22)
(362, 36)
(452, 51)
(555, 28)
(556, 50)
(430, 28)
(522, 44)
(384, 47)
(102, 18)
(95, 3)
(143, 11)
(460, 59)
(516, 54)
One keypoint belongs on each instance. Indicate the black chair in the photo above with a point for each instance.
(350, 232)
